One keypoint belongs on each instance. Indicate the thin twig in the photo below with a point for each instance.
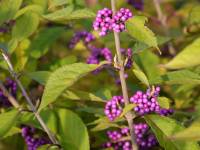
(24, 93)
(129, 115)
(163, 20)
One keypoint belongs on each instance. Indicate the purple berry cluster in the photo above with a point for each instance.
(166, 112)
(33, 142)
(11, 86)
(115, 140)
(144, 137)
(87, 37)
(146, 102)
(98, 54)
(137, 4)
(118, 21)
(114, 107)
(105, 21)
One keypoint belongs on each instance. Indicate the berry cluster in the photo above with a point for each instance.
(146, 102)
(82, 35)
(105, 22)
(33, 142)
(137, 4)
(144, 137)
(99, 53)
(166, 112)
(11, 86)
(114, 107)
(118, 21)
(116, 141)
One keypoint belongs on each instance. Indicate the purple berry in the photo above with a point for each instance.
(103, 21)
(118, 21)
(28, 133)
(137, 4)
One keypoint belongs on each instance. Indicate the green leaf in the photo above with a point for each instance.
(164, 102)
(163, 128)
(59, 14)
(81, 14)
(25, 26)
(43, 40)
(12, 131)
(39, 76)
(192, 133)
(127, 108)
(141, 76)
(73, 133)
(137, 29)
(43, 4)
(67, 14)
(148, 62)
(177, 77)
(69, 128)
(63, 78)
(188, 57)
(56, 3)
(8, 120)
(103, 123)
(49, 116)
(81, 95)
(33, 8)
(8, 8)
(48, 147)
(194, 17)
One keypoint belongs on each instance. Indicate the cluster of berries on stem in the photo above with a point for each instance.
(31, 139)
(143, 135)
(105, 21)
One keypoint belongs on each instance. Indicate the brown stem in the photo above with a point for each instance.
(129, 115)
(24, 93)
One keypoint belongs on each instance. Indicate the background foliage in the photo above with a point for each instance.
(72, 98)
